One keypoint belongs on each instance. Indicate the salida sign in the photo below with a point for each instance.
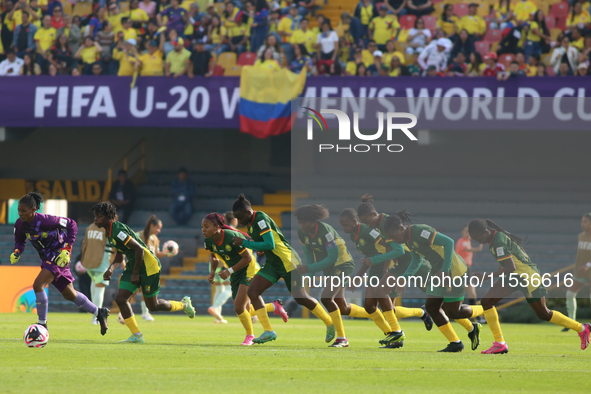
(392, 120)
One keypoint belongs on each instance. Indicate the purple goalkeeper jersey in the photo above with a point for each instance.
(47, 234)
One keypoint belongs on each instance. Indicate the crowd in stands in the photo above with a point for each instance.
(497, 38)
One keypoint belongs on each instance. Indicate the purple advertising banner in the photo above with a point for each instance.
(67, 101)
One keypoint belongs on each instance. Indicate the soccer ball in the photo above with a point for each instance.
(170, 247)
(36, 336)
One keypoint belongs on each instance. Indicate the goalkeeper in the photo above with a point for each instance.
(52, 237)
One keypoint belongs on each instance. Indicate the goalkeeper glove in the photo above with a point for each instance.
(15, 256)
(63, 258)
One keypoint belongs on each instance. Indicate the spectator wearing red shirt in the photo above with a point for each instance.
(464, 248)
(492, 67)
(57, 20)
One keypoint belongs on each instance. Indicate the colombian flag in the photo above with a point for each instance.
(265, 100)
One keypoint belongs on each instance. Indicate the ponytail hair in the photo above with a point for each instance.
(311, 213)
(152, 221)
(398, 218)
(350, 214)
(32, 200)
(220, 221)
(479, 226)
(366, 207)
(242, 204)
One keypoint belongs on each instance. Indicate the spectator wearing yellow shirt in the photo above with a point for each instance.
(177, 61)
(287, 26)
(128, 31)
(474, 24)
(448, 22)
(391, 52)
(229, 15)
(17, 11)
(216, 35)
(274, 24)
(534, 62)
(114, 18)
(89, 53)
(579, 18)
(137, 16)
(503, 10)
(383, 27)
(44, 40)
(538, 36)
(304, 36)
(267, 62)
(126, 53)
(577, 39)
(365, 11)
(397, 68)
(151, 64)
(351, 68)
(523, 10)
(238, 35)
(367, 54)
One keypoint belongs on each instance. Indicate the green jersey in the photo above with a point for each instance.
(502, 248)
(119, 235)
(367, 241)
(282, 254)
(420, 240)
(325, 237)
(229, 252)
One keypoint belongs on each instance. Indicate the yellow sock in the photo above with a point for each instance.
(477, 310)
(357, 311)
(379, 320)
(132, 324)
(561, 320)
(403, 313)
(392, 320)
(448, 331)
(467, 324)
(492, 319)
(320, 313)
(338, 323)
(246, 322)
(268, 307)
(264, 319)
(176, 306)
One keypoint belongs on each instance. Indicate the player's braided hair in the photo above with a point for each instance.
(242, 204)
(32, 200)
(479, 226)
(220, 221)
(105, 208)
(311, 213)
(366, 207)
(350, 214)
(394, 221)
(152, 221)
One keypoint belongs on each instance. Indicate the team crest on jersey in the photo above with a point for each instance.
(248, 279)
(228, 248)
(147, 288)
(307, 240)
(361, 242)
(338, 272)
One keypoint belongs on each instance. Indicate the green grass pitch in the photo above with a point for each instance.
(183, 355)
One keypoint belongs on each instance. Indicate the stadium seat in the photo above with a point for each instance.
(67, 7)
(438, 9)
(430, 22)
(551, 2)
(461, 9)
(559, 10)
(247, 59)
(408, 59)
(218, 71)
(488, 19)
(482, 47)
(82, 9)
(407, 21)
(506, 59)
(493, 35)
(483, 10)
(124, 6)
(550, 21)
(561, 23)
(233, 71)
(555, 32)
(227, 60)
